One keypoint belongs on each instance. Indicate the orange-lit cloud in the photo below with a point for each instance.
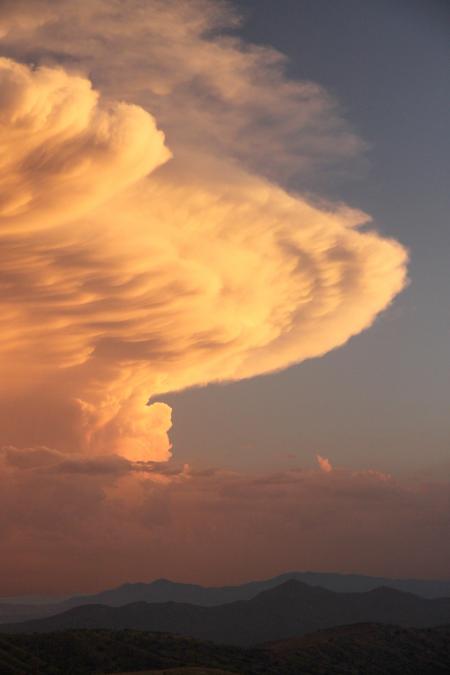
(62, 152)
(210, 91)
(128, 284)
(146, 246)
(324, 464)
(71, 523)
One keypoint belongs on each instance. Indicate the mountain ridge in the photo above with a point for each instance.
(293, 608)
(165, 590)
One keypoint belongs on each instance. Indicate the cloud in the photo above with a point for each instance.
(324, 464)
(50, 461)
(30, 458)
(63, 153)
(15, 15)
(129, 285)
(125, 275)
(211, 92)
(213, 526)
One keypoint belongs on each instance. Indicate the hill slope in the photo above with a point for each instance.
(364, 648)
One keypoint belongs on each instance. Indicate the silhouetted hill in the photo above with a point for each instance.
(290, 609)
(163, 590)
(363, 648)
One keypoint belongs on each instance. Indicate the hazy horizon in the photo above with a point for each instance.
(47, 597)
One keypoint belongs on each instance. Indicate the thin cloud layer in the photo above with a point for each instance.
(88, 524)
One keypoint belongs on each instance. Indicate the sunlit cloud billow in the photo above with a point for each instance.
(146, 246)
(129, 283)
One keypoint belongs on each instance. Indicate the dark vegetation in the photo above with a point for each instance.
(85, 652)
(363, 649)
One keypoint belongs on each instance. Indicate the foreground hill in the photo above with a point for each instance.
(363, 648)
(371, 649)
(290, 609)
(163, 590)
(196, 670)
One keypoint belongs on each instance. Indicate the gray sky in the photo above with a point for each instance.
(383, 399)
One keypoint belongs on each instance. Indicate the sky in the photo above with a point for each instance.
(224, 236)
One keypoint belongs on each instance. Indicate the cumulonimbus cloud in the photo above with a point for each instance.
(210, 91)
(151, 240)
(126, 275)
(62, 152)
(130, 283)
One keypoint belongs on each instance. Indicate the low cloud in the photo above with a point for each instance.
(50, 461)
(324, 464)
(212, 526)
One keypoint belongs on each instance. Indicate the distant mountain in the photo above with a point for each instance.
(293, 608)
(371, 649)
(163, 590)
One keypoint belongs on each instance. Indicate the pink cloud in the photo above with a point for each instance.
(324, 464)
(85, 523)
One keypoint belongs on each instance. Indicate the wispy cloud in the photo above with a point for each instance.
(211, 92)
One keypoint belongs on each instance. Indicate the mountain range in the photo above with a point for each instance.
(290, 609)
(163, 590)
